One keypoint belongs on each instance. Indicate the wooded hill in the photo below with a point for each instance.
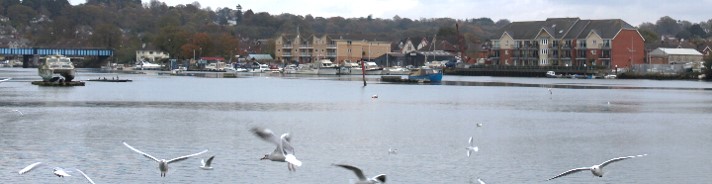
(130, 25)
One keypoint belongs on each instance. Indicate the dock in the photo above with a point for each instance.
(110, 80)
(60, 84)
(400, 79)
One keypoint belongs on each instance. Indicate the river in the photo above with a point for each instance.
(528, 134)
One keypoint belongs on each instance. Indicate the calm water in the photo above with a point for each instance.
(528, 135)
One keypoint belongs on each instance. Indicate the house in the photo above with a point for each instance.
(568, 42)
(707, 51)
(151, 55)
(674, 56)
(421, 58)
(312, 48)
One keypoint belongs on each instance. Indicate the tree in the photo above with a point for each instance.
(667, 26)
(697, 31)
(708, 67)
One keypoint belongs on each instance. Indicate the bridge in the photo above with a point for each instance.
(30, 56)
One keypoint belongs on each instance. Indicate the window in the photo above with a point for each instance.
(544, 41)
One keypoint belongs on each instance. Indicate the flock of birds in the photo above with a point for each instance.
(284, 152)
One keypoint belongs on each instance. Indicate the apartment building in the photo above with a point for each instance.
(568, 42)
(312, 48)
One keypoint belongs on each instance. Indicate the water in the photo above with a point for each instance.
(528, 135)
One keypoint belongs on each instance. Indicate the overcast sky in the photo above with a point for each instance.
(632, 11)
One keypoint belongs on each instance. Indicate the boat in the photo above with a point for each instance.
(426, 74)
(610, 76)
(370, 69)
(145, 65)
(326, 67)
(552, 74)
(396, 70)
(57, 64)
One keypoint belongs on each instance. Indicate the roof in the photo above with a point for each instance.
(678, 51)
(259, 56)
(565, 28)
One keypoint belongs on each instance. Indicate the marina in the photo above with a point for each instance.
(335, 120)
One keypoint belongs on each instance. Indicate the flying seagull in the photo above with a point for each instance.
(6, 79)
(596, 170)
(284, 151)
(480, 181)
(381, 178)
(206, 164)
(58, 171)
(163, 163)
(392, 151)
(471, 148)
(551, 93)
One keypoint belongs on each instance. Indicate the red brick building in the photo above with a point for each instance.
(569, 42)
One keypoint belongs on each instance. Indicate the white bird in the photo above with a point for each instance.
(206, 164)
(163, 163)
(471, 148)
(58, 171)
(392, 151)
(7, 79)
(284, 151)
(85, 176)
(551, 93)
(479, 124)
(596, 170)
(381, 178)
(18, 111)
(480, 180)
(374, 96)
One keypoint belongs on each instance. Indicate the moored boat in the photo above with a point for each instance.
(426, 74)
(57, 64)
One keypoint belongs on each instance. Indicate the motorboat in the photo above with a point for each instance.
(57, 64)
(326, 67)
(396, 70)
(426, 74)
(145, 65)
(371, 68)
(552, 74)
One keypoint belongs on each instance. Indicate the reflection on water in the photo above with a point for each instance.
(529, 135)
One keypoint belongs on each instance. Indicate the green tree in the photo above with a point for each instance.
(708, 67)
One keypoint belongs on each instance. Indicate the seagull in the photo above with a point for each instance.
(58, 171)
(18, 111)
(163, 163)
(374, 96)
(284, 151)
(7, 79)
(479, 124)
(206, 164)
(392, 151)
(471, 148)
(85, 176)
(596, 170)
(480, 180)
(381, 178)
(551, 93)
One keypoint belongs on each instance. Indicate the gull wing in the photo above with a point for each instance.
(266, 134)
(185, 157)
(141, 152)
(471, 142)
(85, 176)
(356, 170)
(292, 160)
(286, 144)
(571, 172)
(619, 159)
(480, 181)
(210, 160)
(29, 167)
(380, 178)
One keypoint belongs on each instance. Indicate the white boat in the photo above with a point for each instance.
(326, 67)
(145, 65)
(610, 76)
(57, 64)
(308, 68)
(371, 69)
(396, 70)
(552, 74)
(259, 68)
(290, 69)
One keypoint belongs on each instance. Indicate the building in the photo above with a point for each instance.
(568, 42)
(707, 51)
(674, 56)
(151, 55)
(312, 48)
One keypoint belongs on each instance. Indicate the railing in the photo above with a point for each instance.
(331, 46)
(286, 46)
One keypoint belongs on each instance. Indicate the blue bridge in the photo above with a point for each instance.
(32, 53)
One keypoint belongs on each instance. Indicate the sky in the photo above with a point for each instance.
(634, 12)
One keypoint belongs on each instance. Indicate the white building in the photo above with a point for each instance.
(151, 55)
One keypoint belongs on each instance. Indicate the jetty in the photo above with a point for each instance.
(60, 84)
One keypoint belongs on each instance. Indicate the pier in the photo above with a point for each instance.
(524, 71)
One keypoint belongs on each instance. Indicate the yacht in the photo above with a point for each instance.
(57, 64)
(326, 67)
(145, 65)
